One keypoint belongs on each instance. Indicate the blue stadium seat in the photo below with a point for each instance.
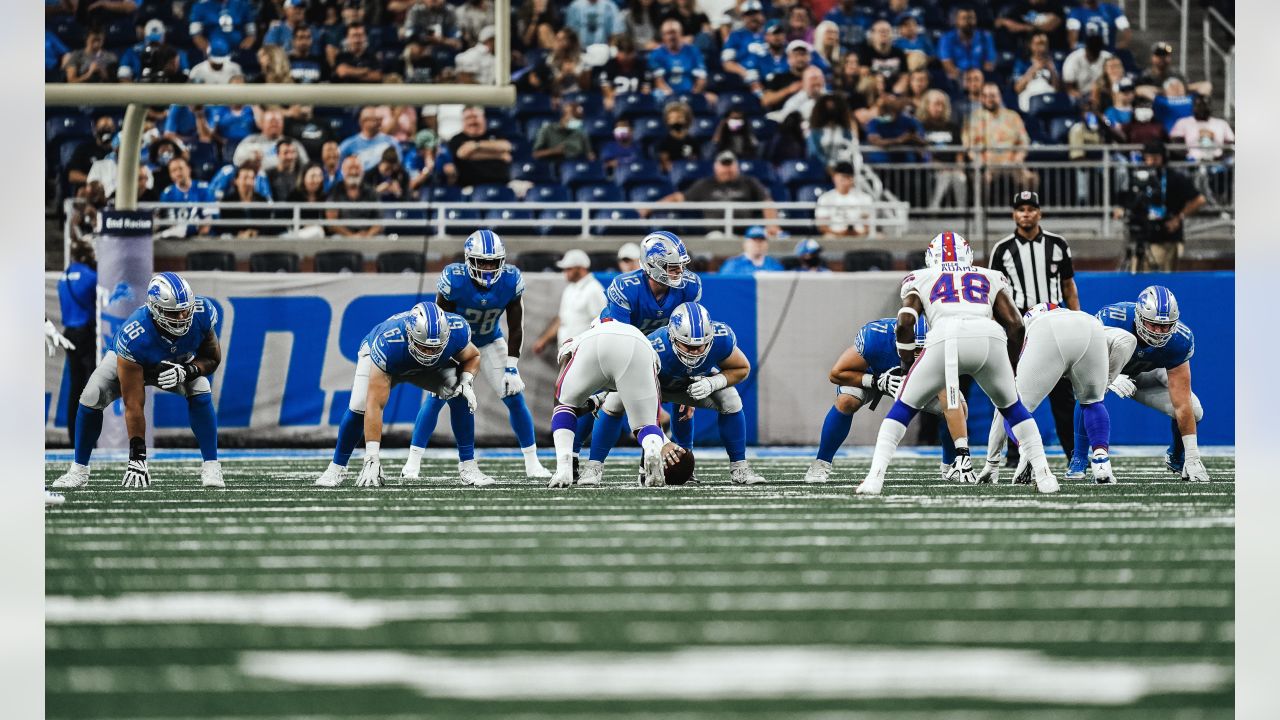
(649, 192)
(696, 102)
(399, 213)
(67, 125)
(792, 214)
(66, 149)
(341, 126)
(492, 194)
(722, 82)
(779, 192)
(801, 172)
(599, 129)
(611, 228)
(704, 127)
(629, 105)
(120, 35)
(747, 102)
(548, 193)
(581, 172)
(204, 160)
(638, 171)
(758, 169)
(534, 171)
(535, 122)
(670, 220)
(648, 130)
(1059, 128)
(1051, 104)
(512, 214)
(685, 172)
(558, 214)
(532, 104)
(592, 104)
(70, 32)
(461, 220)
(504, 125)
(763, 128)
(599, 193)
(810, 193)
(440, 194)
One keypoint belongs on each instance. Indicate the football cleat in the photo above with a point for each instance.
(577, 473)
(412, 469)
(1174, 461)
(75, 476)
(872, 484)
(211, 475)
(591, 473)
(471, 474)
(819, 472)
(990, 473)
(1078, 464)
(332, 477)
(1101, 464)
(53, 498)
(1193, 469)
(740, 473)
(535, 471)
(1046, 482)
(653, 470)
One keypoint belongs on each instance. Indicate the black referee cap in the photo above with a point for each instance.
(1026, 197)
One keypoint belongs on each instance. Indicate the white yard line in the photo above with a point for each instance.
(302, 609)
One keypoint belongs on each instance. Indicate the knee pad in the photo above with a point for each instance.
(199, 386)
(862, 395)
(93, 396)
(613, 405)
(728, 401)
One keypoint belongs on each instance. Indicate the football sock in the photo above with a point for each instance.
(1191, 446)
(204, 423)
(651, 438)
(733, 433)
(521, 419)
(415, 456)
(835, 430)
(681, 430)
(88, 428)
(605, 435)
(350, 430)
(1030, 444)
(891, 432)
(463, 422)
(564, 425)
(424, 426)
(1179, 448)
(1080, 452)
(585, 424)
(1097, 423)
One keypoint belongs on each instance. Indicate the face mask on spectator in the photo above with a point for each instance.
(735, 124)
(677, 127)
(574, 124)
(164, 158)
(622, 134)
(104, 137)
(1143, 114)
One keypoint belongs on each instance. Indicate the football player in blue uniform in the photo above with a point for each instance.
(866, 373)
(426, 347)
(646, 297)
(168, 343)
(699, 363)
(482, 289)
(1157, 375)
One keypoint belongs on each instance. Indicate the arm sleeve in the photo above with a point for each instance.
(378, 353)
(908, 286)
(519, 284)
(443, 288)
(1120, 347)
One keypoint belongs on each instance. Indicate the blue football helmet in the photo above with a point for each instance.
(171, 303)
(662, 253)
(691, 333)
(484, 255)
(948, 247)
(1036, 311)
(1157, 313)
(428, 331)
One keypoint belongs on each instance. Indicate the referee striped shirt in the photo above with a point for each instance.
(1035, 268)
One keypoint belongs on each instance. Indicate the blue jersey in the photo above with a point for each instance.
(763, 65)
(389, 347)
(742, 44)
(877, 343)
(482, 308)
(853, 26)
(1178, 350)
(673, 373)
(230, 21)
(631, 301)
(679, 70)
(78, 294)
(141, 341)
(1107, 17)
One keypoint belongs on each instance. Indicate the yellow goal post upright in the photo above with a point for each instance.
(137, 96)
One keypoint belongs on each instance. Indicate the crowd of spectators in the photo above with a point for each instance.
(663, 101)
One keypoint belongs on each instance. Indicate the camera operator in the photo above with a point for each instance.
(1155, 201)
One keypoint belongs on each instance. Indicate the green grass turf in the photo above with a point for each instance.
(502, 580)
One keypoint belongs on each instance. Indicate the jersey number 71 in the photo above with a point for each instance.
(974, 288)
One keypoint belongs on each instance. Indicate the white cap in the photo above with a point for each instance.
(574, 258)
(799, 45)
(630, 251)
(153, 27)
(487, 33)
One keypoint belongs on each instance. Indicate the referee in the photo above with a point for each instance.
(1038, 266)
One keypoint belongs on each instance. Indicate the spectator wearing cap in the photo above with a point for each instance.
(677, 68)
(726, 185)
(745, 41)
(843, 211)
(853, 22)
(1084, 65)
(678, 143)
(1110, 19)
(998, 136)
(622, 148)
(153, 48)
(580, 302)
(781, 86)
(281, 32)
(813, 85)
(1039, 269)
(965, 46)
(770, 58)
(595, 21)
(564, 140)
(476, 65)
(809, 256)
(369, 143)
(878, 56)
(628, 257)
(1170, 198)
(218, 68)
(90, 64)
(910, 38)
(1203, 134)
(1151, 82)
(1037, 74)
(755, 255)
(358, 63)
(1120, 113)
(228, 20)
(1020, 19)
(428, 145)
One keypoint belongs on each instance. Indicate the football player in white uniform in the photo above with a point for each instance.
(1060, 341)
(974, 330)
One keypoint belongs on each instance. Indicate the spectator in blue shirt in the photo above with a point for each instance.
(894, 128)
(910, 39)
(1174, 104)
(53, 52)
(771, 58)
(225, 178)
(231, 20)
(182, 123)
(369, 143)
(1116, 32)
(755, 255)
(131, 70)
(78, 300)
(966, 46)
(595, 21)
(622, 148)
(231, 124)
(185, 190)
(677, 68)
(281, 31)
(745, 41)
(853, 22)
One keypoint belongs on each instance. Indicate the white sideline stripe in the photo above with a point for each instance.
(301, 609)
(723, 673)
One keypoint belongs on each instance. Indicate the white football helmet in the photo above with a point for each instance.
(691, 333)
(171, 303)
(1036, 311)
(948, 247)
(428, 331)
(484, 255)
(660, 251)
(1157, 315)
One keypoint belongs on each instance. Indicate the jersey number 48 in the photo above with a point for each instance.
(974, 288)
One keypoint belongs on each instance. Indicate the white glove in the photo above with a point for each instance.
(136, 475)
(466, 391)
(990, 473)
(1193, 469)
(704, 387)
(512, 383)
(371, 473)
(888, 383)
(175, 375)
(1123, 387)
(53, 340)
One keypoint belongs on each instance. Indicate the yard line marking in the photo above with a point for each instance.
(302, 609)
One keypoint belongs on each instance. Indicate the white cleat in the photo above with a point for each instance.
(211, 475)
(411, 470)
(740, 473)
(654, 473)
(819, 472)
(535, 471)
(1045, 481)
(871, 484)
(76, 476)
(591, 472)
(1193, 469)
(1101, 464)
(990, 473)
(53, 498)
(332, 477)
(471, 474)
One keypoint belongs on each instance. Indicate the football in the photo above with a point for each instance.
(681, 471)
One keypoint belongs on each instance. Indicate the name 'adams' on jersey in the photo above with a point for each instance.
(631, 300)
(480, 307)
(140, 341)
(1178, 350)
(389, 346)
(672, 372)
(954, 293)
(877, 343)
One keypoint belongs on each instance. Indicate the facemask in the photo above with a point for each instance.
(622, 134)
(574, 124)
(1143, 114)
(735, 124)
(165, 157)
(677, 127)
(105, 136)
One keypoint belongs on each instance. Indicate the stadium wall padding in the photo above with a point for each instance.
(289, 343)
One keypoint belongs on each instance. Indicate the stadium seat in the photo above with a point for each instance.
(790, 262)
(341, 126)
(810, 193)
(68, 125)
(534, 171)
(610, 226)
(461, 220)
(746, 102)
(855, 260)
(501, 124)
(648, 130)
(592, 103)
(599, 193)
(795, 173)
(1059, 128)
(336, 261)
(915, 259)
(722, 82)
(273, 262)
(603, 260)
(418, 226)
(704, 127)
(538, 261)
(599, 129)
(511, 214)
(1051, 104)
(631, 105)
(204, 160)
(440, 194)
(696, 102)
(638, 171)
(685, 172)
(220, 260)
(120, 35)
(530, 104)
(401, 261)
(670, 220)
(559, 214)
(763, 129)
(66, 149)
(548, 193)
(649, 192)
(534, 123)
(778, 192)
(759, 169)
(576, 173)
(492, 194)
(797, 214)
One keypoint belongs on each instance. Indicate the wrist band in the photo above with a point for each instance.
(910, 311)
(905, 346)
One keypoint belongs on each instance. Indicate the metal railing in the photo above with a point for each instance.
(1184, 20)
(1225, 51)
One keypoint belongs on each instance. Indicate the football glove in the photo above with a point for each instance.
(466, 391)
(54, 340)
(175, 374)
(704, 387)
(512, 383)
(1123, 387)
(371, 472)
(136, 474)
(1193, 469)
(888, 383)
(961, 469)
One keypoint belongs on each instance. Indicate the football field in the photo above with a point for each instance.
(276, 599)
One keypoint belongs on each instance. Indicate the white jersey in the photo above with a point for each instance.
(956, 299)
(612, 356)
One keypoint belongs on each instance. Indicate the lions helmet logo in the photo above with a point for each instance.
(122, 291)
